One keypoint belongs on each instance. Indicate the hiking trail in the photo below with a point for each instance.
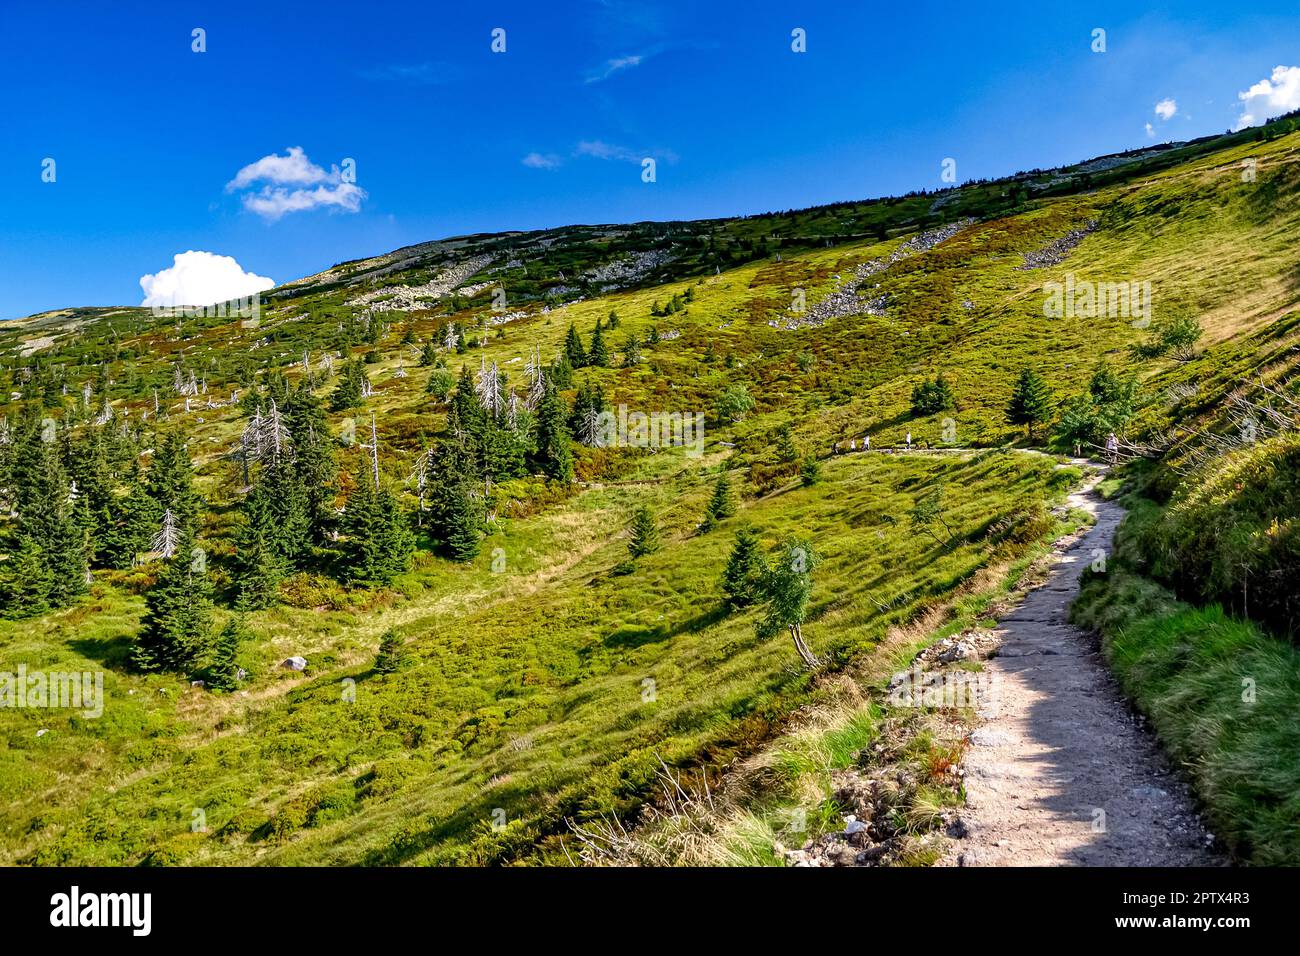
(1060, 771)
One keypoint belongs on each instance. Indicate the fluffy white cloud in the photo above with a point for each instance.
(541, 161)
(1274, 96)
(1151, 130)
(200, 278)
(276, 174)
(1166, 108)
(274, 202)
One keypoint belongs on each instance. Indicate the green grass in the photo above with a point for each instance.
(1224, 699)
(527, 692)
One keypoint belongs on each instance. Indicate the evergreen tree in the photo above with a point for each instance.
(429, 354)
(261, 543)
(170, 483)
(645, 534)
(314, 462)
(136, 517)
(24, 580)
(392, 654)
(452, 515)
(743, 574)
(785, 446)
(561, 372)
(223, 671)
(598, 356)
(1031, 402)
(573, 350)
(721, 506)
(554, 452)
(177, 625)
(931, 397)
(631, 351)
(810, 471)
(440, 384)
(377, 545)
(350, 391)
(461, 528)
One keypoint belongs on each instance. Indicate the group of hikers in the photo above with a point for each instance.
(837, 447)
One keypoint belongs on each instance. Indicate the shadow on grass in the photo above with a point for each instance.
(633, 636)
(113, 652)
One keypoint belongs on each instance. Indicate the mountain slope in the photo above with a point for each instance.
(545, 686)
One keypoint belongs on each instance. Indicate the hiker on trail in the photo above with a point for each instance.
(909, 441)
(866, 443)
(1112, 448)
(853, 444)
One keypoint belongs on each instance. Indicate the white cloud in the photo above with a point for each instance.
(200, 278)
(541, 161)
(1166, 108)
(601, 150)
(598, 149)
(615, 66)
(278, 173)
(1151, 130)
(1272, 97)
(272, 203)
(294, 168)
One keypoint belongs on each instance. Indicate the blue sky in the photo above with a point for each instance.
(147, 135)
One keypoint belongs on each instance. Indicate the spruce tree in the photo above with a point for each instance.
(350, 391)
(1031, 402)
(136, 517)
(222, 672)
(645, 534)
(554, 452)
(177, 625)
(460, 528)
(742, 576)
(392, 654)
(24, 580)
(721, 506)
(170, 482)
(314, 462)
(573, 350)
(598, 355)
(785, 447)
(810, 472)
(377, 544)
(49, 520)
(260, 562)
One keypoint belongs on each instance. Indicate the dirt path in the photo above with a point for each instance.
(1060, 772)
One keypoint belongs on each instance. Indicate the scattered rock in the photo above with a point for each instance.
(1056, 251)
(295, 664)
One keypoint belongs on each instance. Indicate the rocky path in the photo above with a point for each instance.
(1060, 772)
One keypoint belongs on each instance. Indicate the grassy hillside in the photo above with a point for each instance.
(543, 688)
